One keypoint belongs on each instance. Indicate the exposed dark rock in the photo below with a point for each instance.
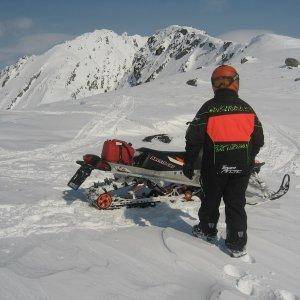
(71, 77)
(297, 79)
(212, 46)
(195, 43)
(159, 50)
(244, 60)
(183, 31)
(135, 43)
(150, 40)
(5, 80)
(292, 62)
(188, 49)
(92, 85)
(25, 89)
(226, 57)
(226, 45)
(164, 138)
(157, 71)
(137, 73)
(182, 53)
(160, 68)
(192, 82)
(150, 78)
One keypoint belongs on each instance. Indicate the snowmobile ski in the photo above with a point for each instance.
(268, 195)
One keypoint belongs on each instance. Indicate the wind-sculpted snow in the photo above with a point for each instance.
(85, 264)
(272, 42)
(53, 245)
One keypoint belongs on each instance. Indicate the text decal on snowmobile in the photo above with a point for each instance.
(162, 162)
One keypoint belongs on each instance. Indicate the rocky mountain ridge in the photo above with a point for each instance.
(103, 61)
(179, 49)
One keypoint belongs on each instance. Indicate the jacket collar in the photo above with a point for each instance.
(221, 94)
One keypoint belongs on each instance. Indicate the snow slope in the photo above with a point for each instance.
(90, 64)
(55, 246)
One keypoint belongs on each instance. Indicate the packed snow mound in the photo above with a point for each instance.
(179, 49)
(242, 36)
(271, 42)
(90, 64)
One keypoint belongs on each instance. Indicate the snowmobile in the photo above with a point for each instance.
(144, 177)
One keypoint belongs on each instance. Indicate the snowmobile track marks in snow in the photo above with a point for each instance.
(90, 133)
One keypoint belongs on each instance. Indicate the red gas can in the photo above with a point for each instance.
(117, 151)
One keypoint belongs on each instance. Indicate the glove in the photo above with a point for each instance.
(188, 171)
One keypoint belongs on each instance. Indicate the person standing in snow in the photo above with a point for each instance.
(230, 135)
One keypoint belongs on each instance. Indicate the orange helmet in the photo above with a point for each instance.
(225, 77)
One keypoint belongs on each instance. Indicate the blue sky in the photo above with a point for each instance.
(32, 26)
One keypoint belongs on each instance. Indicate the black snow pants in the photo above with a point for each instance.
(232, 188)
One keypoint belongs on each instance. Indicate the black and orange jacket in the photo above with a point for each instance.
(228, 131)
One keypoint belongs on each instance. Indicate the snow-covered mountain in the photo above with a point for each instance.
(90, 64)
(103, 61)
(179, 49)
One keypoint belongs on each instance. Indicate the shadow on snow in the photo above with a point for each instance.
(162, 215)
(70, 196)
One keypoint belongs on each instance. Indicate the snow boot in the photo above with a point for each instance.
(210, 237)
(235, 252)
(236, 243)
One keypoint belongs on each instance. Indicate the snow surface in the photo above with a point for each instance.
(242, 36)
(53, 245)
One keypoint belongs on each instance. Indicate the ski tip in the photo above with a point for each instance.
(283, 189)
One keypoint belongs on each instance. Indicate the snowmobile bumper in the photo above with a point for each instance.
(89, 163)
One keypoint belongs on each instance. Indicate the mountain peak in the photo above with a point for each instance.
(91, 63)
(181, 47)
